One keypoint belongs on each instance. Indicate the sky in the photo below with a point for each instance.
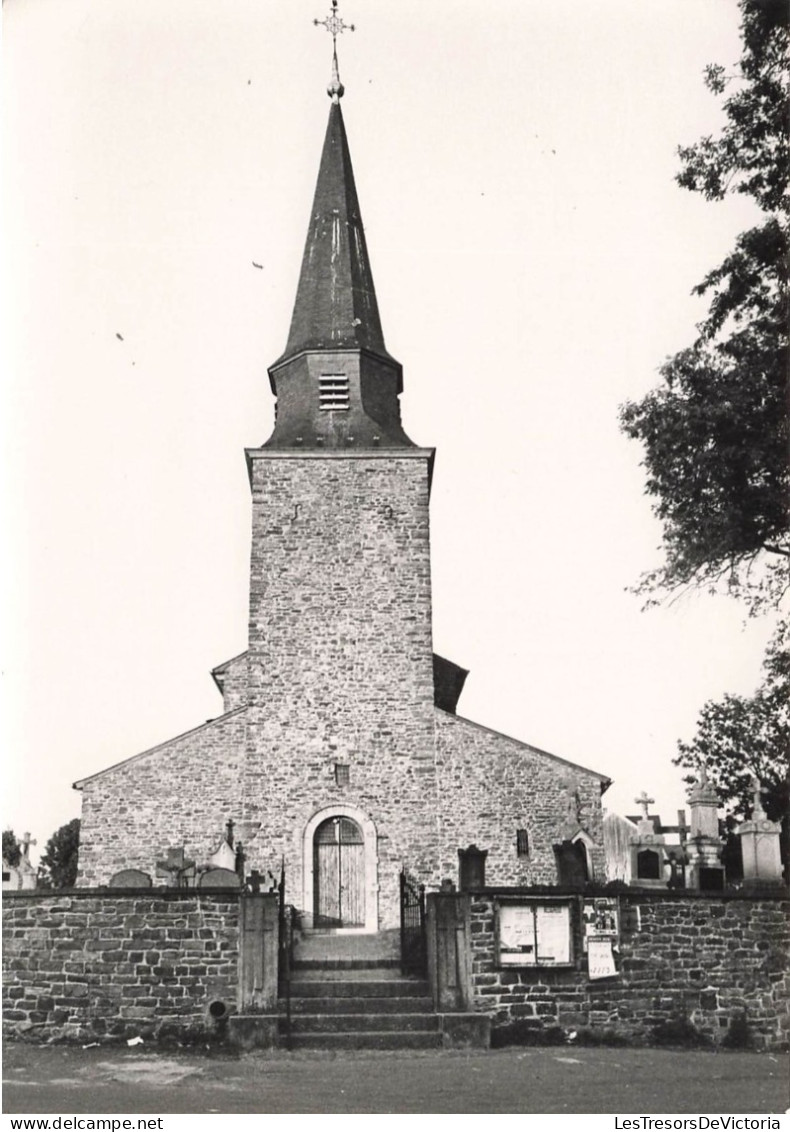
(533, 260)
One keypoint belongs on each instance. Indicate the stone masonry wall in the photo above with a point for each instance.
(234, 683)
(683, 959)
(491, 785)
(82, 964)
(340, 658)
(178, 794)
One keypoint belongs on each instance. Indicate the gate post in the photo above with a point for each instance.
(256, 1024)
(258, 946)
(449, 950)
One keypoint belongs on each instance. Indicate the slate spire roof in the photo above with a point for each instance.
(335, 306)
(336, 386)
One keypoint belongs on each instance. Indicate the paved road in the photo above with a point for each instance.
(140, 1081)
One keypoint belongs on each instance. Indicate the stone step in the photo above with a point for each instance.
(327, 974)
(363, 1023)
(414, 1004)
(358, 988)
(383, 965)
(329, 945)
(395, 1039)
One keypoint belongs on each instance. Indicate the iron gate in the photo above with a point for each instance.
(413, 948)
(285, 958)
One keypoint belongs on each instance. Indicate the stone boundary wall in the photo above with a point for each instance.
(684, 961)
(81, 963)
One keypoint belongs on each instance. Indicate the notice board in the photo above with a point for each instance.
(534, 934)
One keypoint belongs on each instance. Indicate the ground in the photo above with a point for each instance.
(629, 1081)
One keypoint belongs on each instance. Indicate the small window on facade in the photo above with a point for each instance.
(342, 774)
(522, 843)
(333, 395)
(6, 877)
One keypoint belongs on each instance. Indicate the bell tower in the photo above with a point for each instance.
(336, 385)
(340, 687)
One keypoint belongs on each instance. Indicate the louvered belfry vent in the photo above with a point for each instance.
(333, 395)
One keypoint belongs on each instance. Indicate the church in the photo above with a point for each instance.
(340, 757)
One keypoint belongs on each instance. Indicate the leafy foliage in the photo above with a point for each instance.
(59, 859)
(678, 1030)
(739, 736)
(752, 153)
(716, 432)
(12, 851)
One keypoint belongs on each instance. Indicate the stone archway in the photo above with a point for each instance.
(369, 862)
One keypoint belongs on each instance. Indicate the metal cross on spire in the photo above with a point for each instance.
(335, 26)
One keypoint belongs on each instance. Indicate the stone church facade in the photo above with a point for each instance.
(340, 751)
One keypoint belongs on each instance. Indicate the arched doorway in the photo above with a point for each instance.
(338, 874)
(370, 867)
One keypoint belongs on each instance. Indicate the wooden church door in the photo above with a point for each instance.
(339, 874)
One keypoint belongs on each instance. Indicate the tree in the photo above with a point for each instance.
(738, 737)
(59, 859)
(12, 850)
(716, 431)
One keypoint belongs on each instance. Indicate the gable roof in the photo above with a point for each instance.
(604, 779)
(218, 674)
(78, 785)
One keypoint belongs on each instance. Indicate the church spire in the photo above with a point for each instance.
(335, 300)
(336, 384)
(336, 305)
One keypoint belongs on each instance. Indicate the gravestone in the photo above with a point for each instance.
(676, 878)
(219, 878)
(760, 846)
(130, 878)
(704, 845)
(176, 871)
(648, 849)
(223, 857)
